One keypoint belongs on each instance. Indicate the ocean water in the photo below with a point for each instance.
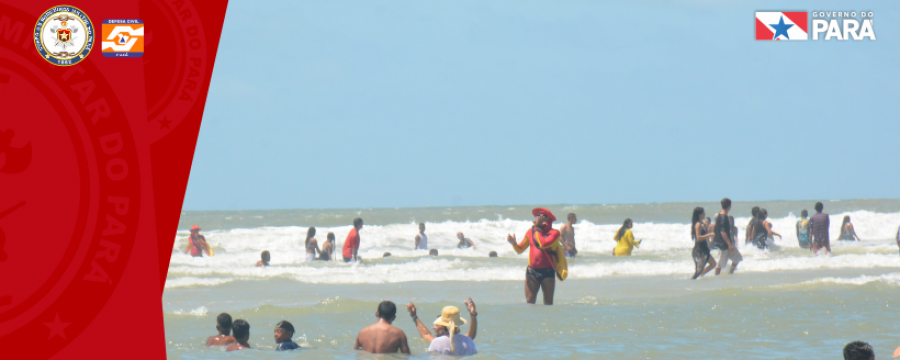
(781, 303)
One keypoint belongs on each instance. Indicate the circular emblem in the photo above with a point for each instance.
(64, 35)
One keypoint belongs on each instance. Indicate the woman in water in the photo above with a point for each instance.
(701, 248)
(312, 246)
(762, 230)
(625, 240)
(327, 248)
(847, 232)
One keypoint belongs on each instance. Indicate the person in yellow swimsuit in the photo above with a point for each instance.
(625, 240)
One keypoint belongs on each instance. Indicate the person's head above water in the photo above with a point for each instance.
(695, 218)
(223, 324)
(460, 235)
(386, 254)
(433, 252)
(819, 207)
(330, 237)
(284, 330)
(421, 228)
(726, 204)
(387, 311)
(804, 213)
(310, 233)
(358, 223)
(859, 350)
(241, 330)
(266, 257)
(625, 226)
(571, 217)
(845, 221)
(492, 254)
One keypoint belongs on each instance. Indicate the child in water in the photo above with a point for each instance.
(284, 330)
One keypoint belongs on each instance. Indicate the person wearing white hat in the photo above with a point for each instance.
(446, 324)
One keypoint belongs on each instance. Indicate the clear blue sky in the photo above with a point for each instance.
(346, 104)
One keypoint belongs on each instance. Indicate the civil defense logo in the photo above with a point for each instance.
(64, 35)
(122, 38)
(827, 25)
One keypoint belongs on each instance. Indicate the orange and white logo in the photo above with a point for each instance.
(123, 38)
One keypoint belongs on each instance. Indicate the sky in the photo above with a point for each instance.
(358, 104)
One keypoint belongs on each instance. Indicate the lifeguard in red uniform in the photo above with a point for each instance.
(546, 258)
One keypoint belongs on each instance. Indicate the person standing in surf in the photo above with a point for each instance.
(197, 244)
(803, 230)
(723, 240)
(421, 238)
(700, 253)
(748, 236)
(464, 242)
(847, 231)
(567, 235)
(819, 224)
(351, 244)
(762, 231)
(327, 248)
(625, 240)
(311, 245)
(546, 258)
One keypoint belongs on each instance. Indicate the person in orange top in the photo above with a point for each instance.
(544, 260)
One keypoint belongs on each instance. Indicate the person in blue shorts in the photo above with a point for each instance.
(803, 230)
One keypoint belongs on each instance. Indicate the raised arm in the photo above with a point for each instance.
(423, 330)
(473, 315)
(511, 238)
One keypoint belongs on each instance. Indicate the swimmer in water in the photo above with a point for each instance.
(494, 253)
(284, 330)
(223, 326)
(567, 236)
(241, 329)
(265, 258)
(625, 240)
(847, 231)
(433, 252)
(311, 245)
(447, 339)
(803, 230)
(421, 238)
(327, 248)
(700, 253)
(762, 231)
(464, 242)
(748, 236)
(351, 244)
(819, 224)
(382, 337)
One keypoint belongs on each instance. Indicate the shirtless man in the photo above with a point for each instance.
(567, 236)
(382, 337)
(241, 336)
(223, 326)
(421, 239)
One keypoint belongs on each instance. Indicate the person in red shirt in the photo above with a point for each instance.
(197, 243)
(351, 245)
(546, 259)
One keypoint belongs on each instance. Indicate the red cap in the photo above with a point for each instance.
(195, 228)
(544, 211)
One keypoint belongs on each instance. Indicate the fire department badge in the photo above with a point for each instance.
(64, 35)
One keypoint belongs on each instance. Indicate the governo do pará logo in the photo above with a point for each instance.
(64, 35)
(826, 25)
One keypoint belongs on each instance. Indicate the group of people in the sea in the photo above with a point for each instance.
(379, 338)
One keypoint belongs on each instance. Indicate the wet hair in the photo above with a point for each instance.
(695, 218)
(284, 324)
(357, 222)
(330, 237)
(265, 254)
(570, 216)
(844, 222)
(754, 211)
(433, 252)
(726, 203)
(310, 233)
(387, 254)
(858, 350)
(622, 229)
(819, 206)
(224, 321)
(804, 213)
(492, 254)
(387, 310)
(241, 329)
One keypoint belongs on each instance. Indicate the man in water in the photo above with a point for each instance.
(803, 230)
(197, 243)
(284, 330)
(265, 258)
(433, 252)
(723, 240)
(749, 235)
(351, 245)
(464, 242)
(445, 325)
(543, 241)
(819, 224)
(421, 239)
(859, 350)
(223, 326)
(567, 236)
(382, 337)
(241, 336)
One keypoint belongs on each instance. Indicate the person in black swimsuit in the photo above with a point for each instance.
(701, 248)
